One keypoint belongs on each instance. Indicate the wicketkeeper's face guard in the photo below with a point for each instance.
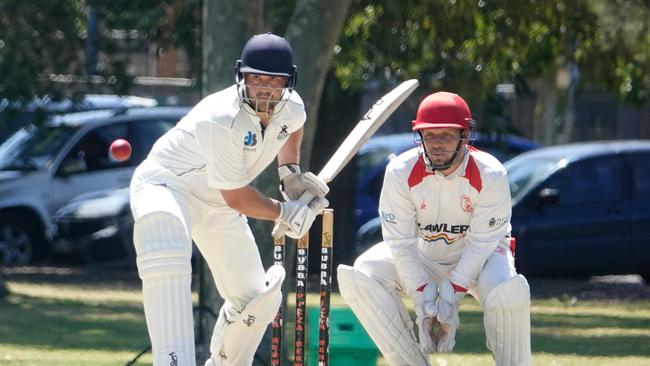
(442, 147)
(264, 94)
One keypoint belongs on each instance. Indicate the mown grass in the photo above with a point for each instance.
(50, 324)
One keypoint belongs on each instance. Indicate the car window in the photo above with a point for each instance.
(523, 174)
(592, 180)
(92, 149)
(32, 148)
(146, 134)
(640, 175)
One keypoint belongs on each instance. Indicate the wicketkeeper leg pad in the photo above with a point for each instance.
(507, 322)
(383, 315)
(238, 332)
(163, 251)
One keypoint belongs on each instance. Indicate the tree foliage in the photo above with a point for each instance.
(38, 39)
(44, 42)
(470, 46)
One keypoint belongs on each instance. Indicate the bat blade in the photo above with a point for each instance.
(366, 127)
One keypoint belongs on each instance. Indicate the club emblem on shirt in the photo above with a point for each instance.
(283, 134)
(466, 204)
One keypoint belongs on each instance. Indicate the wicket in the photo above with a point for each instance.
(325, 279)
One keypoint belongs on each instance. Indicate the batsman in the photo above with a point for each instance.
(445, 214)
(195, 185)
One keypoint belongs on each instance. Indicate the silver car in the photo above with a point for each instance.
(43, 168)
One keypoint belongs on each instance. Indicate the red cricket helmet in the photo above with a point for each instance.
(440, 110)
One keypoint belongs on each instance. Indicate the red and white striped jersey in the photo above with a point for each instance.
(457, 219)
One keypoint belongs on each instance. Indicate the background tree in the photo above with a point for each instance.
(471, 46)
(312, 29)
(3, 288)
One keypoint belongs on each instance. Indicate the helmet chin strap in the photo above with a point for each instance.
(447, 164)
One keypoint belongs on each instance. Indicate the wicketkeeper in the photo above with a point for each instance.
(445, 213)
(194, 185)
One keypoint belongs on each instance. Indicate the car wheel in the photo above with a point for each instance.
(18, 242)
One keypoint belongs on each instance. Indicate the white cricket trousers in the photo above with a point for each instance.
(167, 218)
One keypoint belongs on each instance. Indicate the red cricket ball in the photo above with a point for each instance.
(120, 150)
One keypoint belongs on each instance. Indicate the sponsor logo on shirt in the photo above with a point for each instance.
(388, 217)
(283, 134)
(444, 228)
(497, 222)
(441, 232)
(250, 140)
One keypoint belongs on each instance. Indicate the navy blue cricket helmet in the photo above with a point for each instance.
(267, 54)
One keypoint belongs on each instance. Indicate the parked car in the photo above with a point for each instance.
(375, 155)
(42, 169)
(582, 209)
(45, 106)
(98, 226)
(578, 210)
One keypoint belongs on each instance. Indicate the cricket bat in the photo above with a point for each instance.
(365, 128)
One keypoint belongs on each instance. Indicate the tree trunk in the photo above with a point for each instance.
(313, 31)
(545, 109)
(3, 288)
(226, 27)
(314, 26)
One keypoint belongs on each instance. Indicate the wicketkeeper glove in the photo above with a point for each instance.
(299, 216)
(426, 310)
(293, 183)
(449, 298)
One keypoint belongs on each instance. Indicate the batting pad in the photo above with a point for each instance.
(238, 333)
(507, 322)
(164, 252)
(383, 315)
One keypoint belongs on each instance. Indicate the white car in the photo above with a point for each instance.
(43, 168)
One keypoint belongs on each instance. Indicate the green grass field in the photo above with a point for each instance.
(51, 324)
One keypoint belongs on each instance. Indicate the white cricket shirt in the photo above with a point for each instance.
(451, 220)
(221, 143)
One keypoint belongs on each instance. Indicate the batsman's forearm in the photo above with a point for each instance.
(290, 152)
(250, 202)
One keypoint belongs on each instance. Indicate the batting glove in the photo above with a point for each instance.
(293, 183)
(298, 216)
(426, 310)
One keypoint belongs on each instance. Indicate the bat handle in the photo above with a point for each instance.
(280, 229)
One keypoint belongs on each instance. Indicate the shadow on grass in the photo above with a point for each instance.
(70, 324)
(566, 334)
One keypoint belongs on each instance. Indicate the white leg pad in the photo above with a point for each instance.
(383, 315)
(238, 333)
(507, 322)
(163, 257)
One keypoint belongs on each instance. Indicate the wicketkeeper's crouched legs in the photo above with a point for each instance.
(383, 315)
(164, 251)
